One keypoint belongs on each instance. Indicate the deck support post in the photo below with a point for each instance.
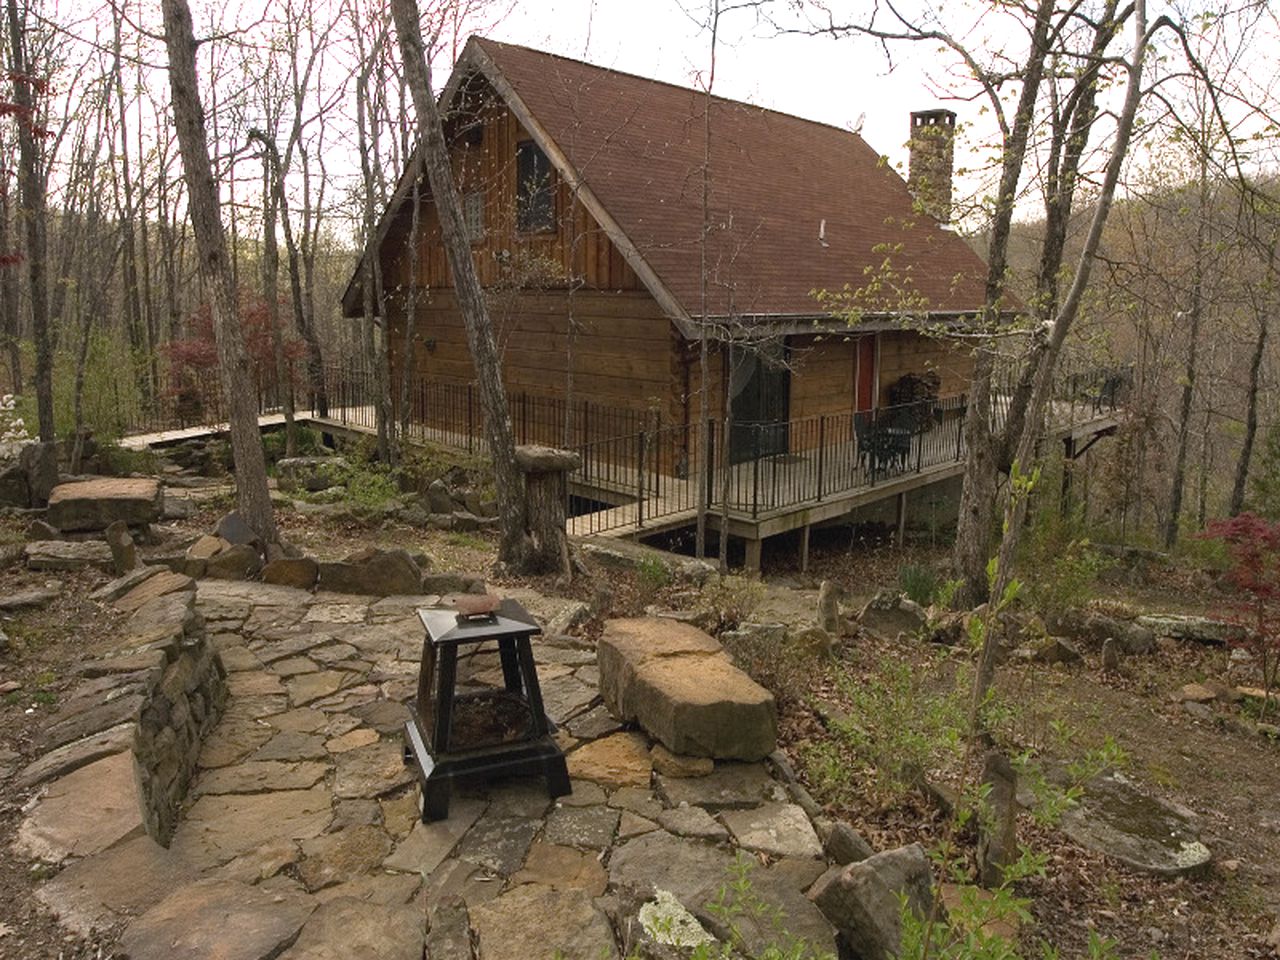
(754, 549)
(1069, 455)
(900, 536)
(804, 549)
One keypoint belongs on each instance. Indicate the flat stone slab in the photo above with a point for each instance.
(371, 772)
(154, 586)
(221, 827)
(343, 855)
(694, 822)
(258, 776)
(118, 883)
(567, 922)
(345, 928)
(776, 829)
(619, 760)
(98, 503)
(731, 786)
(690, 869)
(590, 828)
(69, 555)
(217, 920)
(677, 683)
(498, 843)
(563, 868)
(1143, 832)
(83, 813)
(77, 754)
(429, 843)
(233, 739)
(27, 599)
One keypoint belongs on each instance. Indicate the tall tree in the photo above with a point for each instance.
(252, 494)
(31, 188)
(508, 480)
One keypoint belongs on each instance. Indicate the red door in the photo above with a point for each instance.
(865, 388)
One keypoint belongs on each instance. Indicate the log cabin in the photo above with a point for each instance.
(617, 220)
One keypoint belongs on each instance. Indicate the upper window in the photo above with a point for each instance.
(535, 196)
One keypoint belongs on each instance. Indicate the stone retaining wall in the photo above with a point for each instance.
(154, 694)
(186, 699)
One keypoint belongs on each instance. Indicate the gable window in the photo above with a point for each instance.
(473, 215)
(535, 194)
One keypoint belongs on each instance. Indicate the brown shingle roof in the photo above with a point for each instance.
(638, 145)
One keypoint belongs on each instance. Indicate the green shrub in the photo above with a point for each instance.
(309, 443)
(117, 461)
(1058, 564)
(900, 721)
(919, 582)
(369, 485)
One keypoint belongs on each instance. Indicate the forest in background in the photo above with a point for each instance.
(1184, 291)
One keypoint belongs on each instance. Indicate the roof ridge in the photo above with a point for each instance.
(728, 101)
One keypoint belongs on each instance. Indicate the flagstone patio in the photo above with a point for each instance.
(301, 835)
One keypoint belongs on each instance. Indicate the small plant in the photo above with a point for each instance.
(1254, 546)
(13, 428)
(782, 667)
(652, 575)
(920, 583)
(946, 592)
(739, 909)
(895, 723)
(731, 600)
(369, 486)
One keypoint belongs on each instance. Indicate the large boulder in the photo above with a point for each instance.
(863, 900)
(98, 503)
(889, 615)
(1116, 818)
(14, 489)
(379, 573)
(678, 684)
(309, 473)
(1133, 637)
(1196, 629)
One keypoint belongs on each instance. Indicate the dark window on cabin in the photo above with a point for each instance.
(535, 197)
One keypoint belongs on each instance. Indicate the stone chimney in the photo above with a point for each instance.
(929, 171)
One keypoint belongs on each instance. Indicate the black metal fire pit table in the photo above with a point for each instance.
(485, 733)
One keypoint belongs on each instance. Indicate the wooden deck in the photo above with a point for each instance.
(767, 496)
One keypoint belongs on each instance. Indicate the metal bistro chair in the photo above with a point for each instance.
(862, 437)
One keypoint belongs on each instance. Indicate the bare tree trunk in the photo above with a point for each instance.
(10, 321)
(371, 279)
(471, 302)
(408, 361)
(1250, 416)
(976, 521)
(253, 497)
(271, 287)
(704, 406)
(1184, 413)
(32, 200)
(1016, 504)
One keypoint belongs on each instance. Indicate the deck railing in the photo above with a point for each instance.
(638, 471)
